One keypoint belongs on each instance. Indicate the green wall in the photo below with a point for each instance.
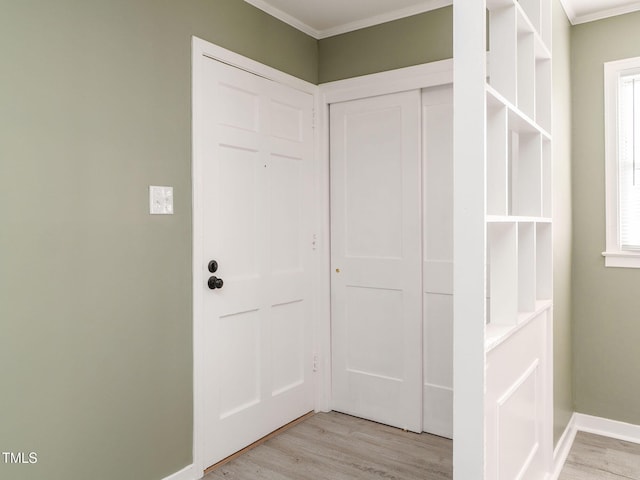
(95, 294)
(606, 301)
(562, 211)
(401, 43)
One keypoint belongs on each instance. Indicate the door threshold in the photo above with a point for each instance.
(259, 442)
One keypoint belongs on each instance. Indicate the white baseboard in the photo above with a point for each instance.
(187, 473)
(586, 423)
(609, 428)
(563, 448)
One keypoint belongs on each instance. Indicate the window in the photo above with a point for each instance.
(622, 162)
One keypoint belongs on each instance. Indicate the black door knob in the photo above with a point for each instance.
(213, 266)
(215, 282)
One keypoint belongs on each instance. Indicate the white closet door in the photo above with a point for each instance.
(256, 183)
(437, 125)
(376, 282)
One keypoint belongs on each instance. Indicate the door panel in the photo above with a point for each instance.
(257, 224)
(437, 124)
(376, 259)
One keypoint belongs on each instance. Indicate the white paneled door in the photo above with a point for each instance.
(257, 187)
(437, 127)
(376, 241)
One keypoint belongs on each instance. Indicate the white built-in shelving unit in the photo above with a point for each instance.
(518, 164)
(503, 273)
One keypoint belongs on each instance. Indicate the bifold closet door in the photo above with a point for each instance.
(376, 282)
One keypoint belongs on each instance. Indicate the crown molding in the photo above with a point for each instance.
(568, 10)
(425, 6)
(577, 19)
(284, 17)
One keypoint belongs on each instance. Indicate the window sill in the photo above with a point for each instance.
(621, 259)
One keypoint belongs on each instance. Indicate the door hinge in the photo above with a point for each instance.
(313, 118)
(315, 362)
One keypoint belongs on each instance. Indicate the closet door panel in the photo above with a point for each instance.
(437, 158)
(376, 259)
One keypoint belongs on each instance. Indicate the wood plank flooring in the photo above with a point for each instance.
(594, 457)
(333, 446)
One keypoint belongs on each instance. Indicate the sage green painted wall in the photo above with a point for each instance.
(562, 231)
(95, 294)
(606, 301)
(401, 43)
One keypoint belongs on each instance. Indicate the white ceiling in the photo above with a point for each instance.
(325, 18)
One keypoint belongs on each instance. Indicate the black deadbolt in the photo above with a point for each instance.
(213, 266)
(215, 282)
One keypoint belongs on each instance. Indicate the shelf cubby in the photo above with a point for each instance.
(498, 198)
(519, 269)
(526, 162)
(503, 273)
(542, 92)
(526, 74)
(503, 44)
(544, 262)
(546, 178)
(518, 162)
(531, 9)
(526, 267)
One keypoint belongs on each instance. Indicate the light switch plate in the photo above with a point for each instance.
(160, 200)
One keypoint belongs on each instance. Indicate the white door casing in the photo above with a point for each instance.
(376, 266)
(255, 187)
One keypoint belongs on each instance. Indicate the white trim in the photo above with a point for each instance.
(597, 425)
(614, 255)
(393, 81)
(567, 6)
(561, 452)
(207, 49)
(285, 17)
(200, 50)
(187, 473)
(606, 13)
(318, 34)
(470, 455)
(423, 7)
(198, 47)
(627, 432)
(621, 259)
(323, 325)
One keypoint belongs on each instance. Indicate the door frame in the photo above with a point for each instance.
(393, 81)
(203, 51)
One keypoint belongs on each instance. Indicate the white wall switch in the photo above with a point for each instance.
(160, 200)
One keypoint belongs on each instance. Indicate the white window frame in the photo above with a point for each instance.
(614, 255)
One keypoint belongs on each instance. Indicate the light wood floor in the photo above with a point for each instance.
(333, 446)
(594, 457)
